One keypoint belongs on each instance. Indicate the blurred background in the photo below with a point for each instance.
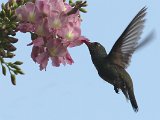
(76, 92)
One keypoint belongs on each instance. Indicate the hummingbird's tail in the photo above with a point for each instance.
(125, 92)
(133, 100)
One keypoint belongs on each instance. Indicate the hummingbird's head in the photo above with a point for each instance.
(96, 49)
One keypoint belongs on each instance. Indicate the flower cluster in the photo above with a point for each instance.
(55, 30)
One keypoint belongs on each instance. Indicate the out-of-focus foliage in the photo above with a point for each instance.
(8, 25)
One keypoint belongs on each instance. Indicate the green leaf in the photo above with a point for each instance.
(3, 12)
(70, 1)
(85, 4)
(13, 79)
(78, 2)
(15, 72)
(83, 10)
(10, 55)
(13, 26)
(10, 12)
(18, 63)
(2, 60)
(14, 66)
(20, 72)
(3, 6)
(3, 70)
(72, 4)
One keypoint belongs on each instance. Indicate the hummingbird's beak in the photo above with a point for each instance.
(86, 42)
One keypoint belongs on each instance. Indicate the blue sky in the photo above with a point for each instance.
(76, 92)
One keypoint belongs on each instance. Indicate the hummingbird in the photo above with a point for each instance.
(111, 67)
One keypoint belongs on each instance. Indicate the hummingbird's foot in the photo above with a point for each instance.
(116, 89)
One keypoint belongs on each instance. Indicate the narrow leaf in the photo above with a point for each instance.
(83, 10)
(3, 70)
(20, 72)
(18, 63)
(13, 79)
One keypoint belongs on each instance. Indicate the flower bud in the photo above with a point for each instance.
(10, 55)
(3, 27)
(70, 1)
(83, 10)
(13, 33)
(2, 53)
(18, 63)
(13, 17)
(10, 12)
(10, 48)
(20, 72)
(6, 19)
(12, 39)
(78, 2)
(3, 13)
(13, 26)
(7, 7)
(3, 6)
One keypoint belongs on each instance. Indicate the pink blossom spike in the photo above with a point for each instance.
(55, 31)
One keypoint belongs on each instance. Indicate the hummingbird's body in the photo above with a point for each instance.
(111, 67)
(115, 75)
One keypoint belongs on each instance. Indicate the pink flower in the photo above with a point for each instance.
(65, 59)
(78, 41)
(57, 5)
(56, 48)
(25, 27)
(42, 59)
(68, 59)
(43, 6)
(55, 30)
(38, 42)
(41, 28)
(67, 7)
(57, 20)
(47, 6)
(28, 13)
(40, 55)
(70, 32)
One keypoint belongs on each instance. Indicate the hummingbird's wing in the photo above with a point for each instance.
(124, 47)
